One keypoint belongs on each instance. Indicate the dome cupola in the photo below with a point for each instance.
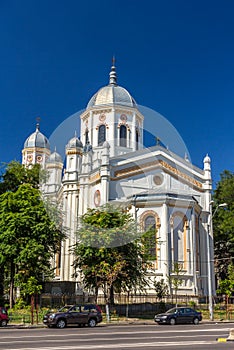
(75, 143)
(37, 140)
(112, 94)
(54, 158)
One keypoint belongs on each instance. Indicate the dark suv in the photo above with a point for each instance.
(89, 314)
(3, 317)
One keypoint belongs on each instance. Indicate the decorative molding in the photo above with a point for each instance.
(134, 170)
(95, 178)
(180, 174)
(85, 116)
(147, 213)
(123, 111)
(37, 149)
(102, 111)
(69, 152)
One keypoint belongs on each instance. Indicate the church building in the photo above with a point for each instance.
(109, 163)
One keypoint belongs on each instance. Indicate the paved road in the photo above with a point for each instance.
(122, 337)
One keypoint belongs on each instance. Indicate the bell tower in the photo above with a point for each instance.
(112, 115)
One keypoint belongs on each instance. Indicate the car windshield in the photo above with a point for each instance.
(172, 311)
(65, 308)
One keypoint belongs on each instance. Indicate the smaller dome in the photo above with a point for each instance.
(37, 139)
(74, 143)
(55, 158)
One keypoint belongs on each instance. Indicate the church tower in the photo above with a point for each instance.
(112, 115)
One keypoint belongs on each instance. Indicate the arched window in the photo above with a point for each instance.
(150, 226)
(123, 136)
(179, 239)
(86, 136)
(137, 139)
(101, 135)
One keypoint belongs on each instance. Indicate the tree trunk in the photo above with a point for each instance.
(112, 296)
(32, 308)
(106, 291)
(96, 293)
(1, 285)
(11, 294)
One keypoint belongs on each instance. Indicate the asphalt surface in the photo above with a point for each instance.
(135, 336)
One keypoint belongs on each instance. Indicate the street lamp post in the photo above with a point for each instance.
(209, 265)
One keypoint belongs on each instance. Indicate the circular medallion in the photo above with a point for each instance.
(102, 117)
(97, 198)
(29, 157)
(39, 159)
(123, 118)
(158, 179)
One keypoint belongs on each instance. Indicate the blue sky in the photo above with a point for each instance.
(174, 56)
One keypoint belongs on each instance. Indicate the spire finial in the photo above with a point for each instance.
(113, 77)
(38, 119)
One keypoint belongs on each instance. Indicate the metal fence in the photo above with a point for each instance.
(145, 305)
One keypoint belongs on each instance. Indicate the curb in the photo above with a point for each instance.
(120, 323)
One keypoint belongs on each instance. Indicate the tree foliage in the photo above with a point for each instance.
(28, 236)
(227, 286)
(161, 289)
(107, 227)
(107, 265)
(223, 224)
(17, 174)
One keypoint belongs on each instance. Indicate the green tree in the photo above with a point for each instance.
(161, 289)
(28, 236)
(223, 224)
(107, 254)
(16, 174)
(227, 286)
(174, 278)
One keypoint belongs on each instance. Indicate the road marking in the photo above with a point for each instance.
(105, 332)
(125, 345)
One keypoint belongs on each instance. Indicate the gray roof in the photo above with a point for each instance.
(54, 158)
(37, 139)
(74, 143)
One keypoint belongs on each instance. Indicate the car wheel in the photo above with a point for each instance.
(61, 324)
(195, 320)
(3, 323)
(92, 322)
(172, 321)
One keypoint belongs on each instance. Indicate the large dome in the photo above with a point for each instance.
(37, 139)
(112, 94)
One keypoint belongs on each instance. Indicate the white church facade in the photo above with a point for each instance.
(109, 164)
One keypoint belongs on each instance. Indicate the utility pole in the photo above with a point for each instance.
(209, 263)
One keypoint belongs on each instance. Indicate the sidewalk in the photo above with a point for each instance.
(128, 321)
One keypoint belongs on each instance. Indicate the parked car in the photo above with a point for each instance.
(4, 319)
(88, 314)
(179, 315)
